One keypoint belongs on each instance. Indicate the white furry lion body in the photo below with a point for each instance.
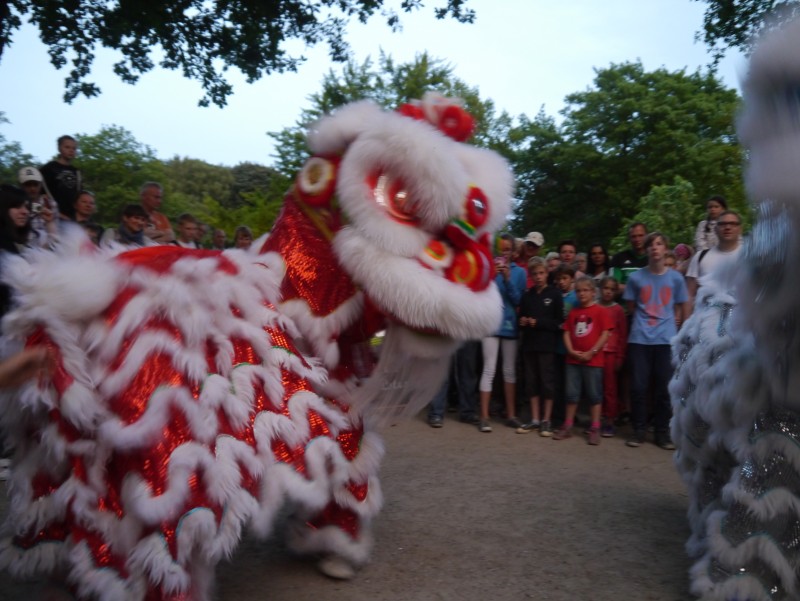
(736, 392)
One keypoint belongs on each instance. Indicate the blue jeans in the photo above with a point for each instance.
(464, 376)
(590, 377)
(650, 363)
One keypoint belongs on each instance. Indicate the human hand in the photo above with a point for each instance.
(25, 365)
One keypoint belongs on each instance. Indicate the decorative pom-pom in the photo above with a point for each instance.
(457, 123)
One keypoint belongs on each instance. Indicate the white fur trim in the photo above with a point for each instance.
(415, 295)
(332, 133)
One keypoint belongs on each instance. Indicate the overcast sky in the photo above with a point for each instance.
(523, 54)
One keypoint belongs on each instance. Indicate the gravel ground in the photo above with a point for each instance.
(500, 516)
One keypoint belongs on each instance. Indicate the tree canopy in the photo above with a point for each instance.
(389, 84)
(201, 38)
(671, 209)
(114, 164)
(736, 23)
(636, 144)
(630, 131)
(12, 157)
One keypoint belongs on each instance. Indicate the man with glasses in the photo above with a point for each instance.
(726, 251)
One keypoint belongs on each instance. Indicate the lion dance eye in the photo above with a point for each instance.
(394, 198)
(476, 207)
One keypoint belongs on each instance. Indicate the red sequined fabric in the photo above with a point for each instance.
(155, 401)
(310, 262)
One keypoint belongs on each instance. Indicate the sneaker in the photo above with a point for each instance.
(435, 421)
(472, 419)
(527, 428)
(607, 431)
(637, 439)
(664, 441)
(594, 436)
(562, 434)
(484, 426)
(513, 422)
(546, 429)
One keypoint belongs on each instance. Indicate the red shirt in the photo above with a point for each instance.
(585, 325)
(618, 339)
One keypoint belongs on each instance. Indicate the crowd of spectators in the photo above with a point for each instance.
(48, 197)
(586, 327)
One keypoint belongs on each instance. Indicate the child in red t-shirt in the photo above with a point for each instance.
(613, 353)
(585, 333)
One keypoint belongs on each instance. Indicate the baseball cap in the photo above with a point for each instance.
(29, 174)
(535, 238)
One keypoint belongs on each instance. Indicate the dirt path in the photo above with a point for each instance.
(498, 516)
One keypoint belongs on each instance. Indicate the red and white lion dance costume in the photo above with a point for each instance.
(196, 392)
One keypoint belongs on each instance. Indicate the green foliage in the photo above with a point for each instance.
(636, 144)
(188, 182)
(200, 38)
(12, 158)
(672, 209)
(631, 131)
(252, 177)
(114, 165)
(735, 24)
(258, 211)
(254, 199)
(388, 84)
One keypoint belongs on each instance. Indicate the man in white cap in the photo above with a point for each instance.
(531, 245)
(31, 181)
(42, 208)
(534, 241)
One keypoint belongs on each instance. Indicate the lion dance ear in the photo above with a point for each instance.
(316, 181)
(445, 114)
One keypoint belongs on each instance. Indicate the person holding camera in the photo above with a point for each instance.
(511, 281)
(43, 209)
